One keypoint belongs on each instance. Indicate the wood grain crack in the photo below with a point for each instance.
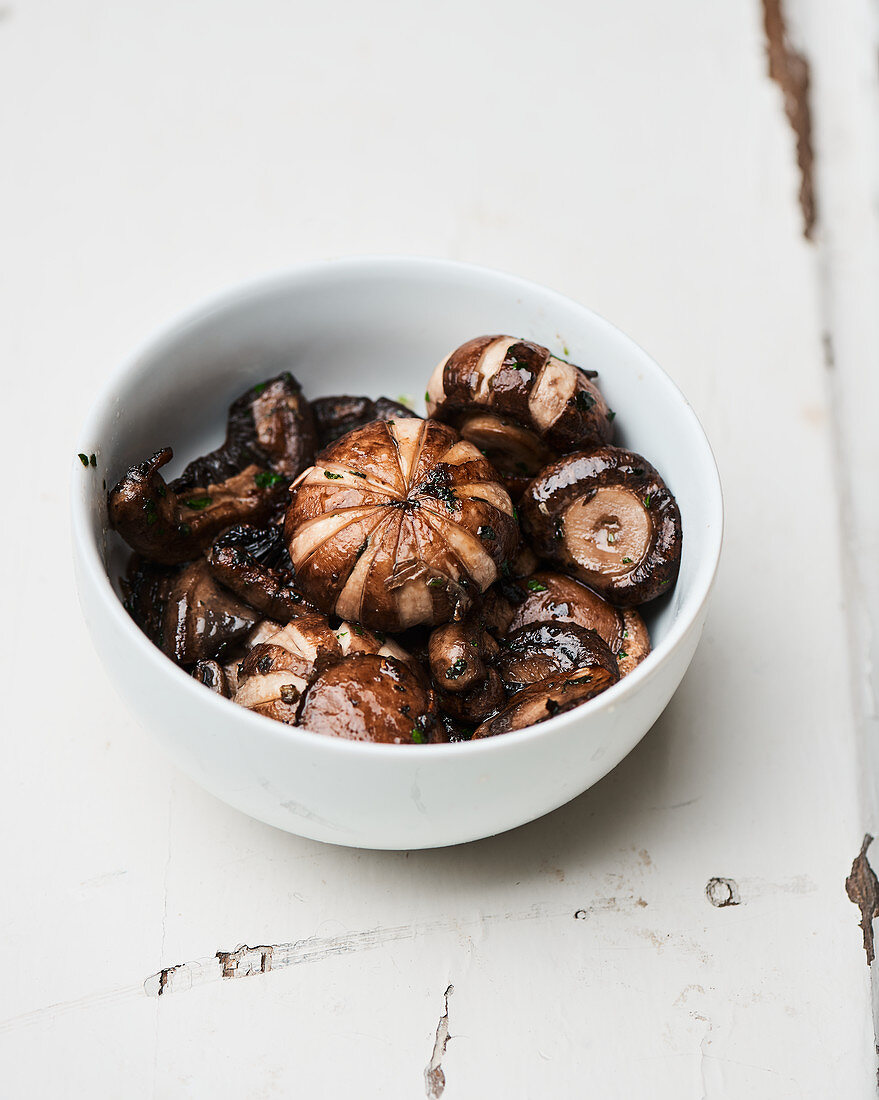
(862, 887)
(790, 71)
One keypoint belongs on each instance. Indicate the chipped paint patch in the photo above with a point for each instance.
(722, 892)
(245, 961)
(862, 887)
(434, 1077)
(790, 71)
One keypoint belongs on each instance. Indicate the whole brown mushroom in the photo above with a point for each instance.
(540, 650)
(545, 699)
(608, 518)
(399, 523)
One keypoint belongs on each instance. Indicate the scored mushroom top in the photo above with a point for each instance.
(399, 523)
(519, 403)
(607, 517)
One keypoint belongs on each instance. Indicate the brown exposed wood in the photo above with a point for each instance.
(790, 70)
(862, 887)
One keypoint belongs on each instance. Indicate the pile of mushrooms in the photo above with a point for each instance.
(348, 567)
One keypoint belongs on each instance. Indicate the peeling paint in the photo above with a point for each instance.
(434, 1077)
(790, 71)
(722, 892)
(245, 961)
(862, 887)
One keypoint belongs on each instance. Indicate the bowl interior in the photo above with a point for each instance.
(379, 327)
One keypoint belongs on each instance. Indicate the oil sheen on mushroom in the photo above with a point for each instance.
(541, 650)
(545, 699)
(607, 517)
(367, 697)
(253, 563)
(335, 416)
(399, 523)
(521, 405)
(553, 597)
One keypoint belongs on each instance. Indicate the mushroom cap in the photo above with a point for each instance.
(399, 523)
(608, 518)
(522, 383)
(342, 413)
(368, 697)
(544, 700)
(540, 650)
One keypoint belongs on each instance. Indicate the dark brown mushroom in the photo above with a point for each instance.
(213, 676)
(541, 650)
(518, 403)
(270, 438)
(253, 563)
(335, 416)
(607, 517)
(277, 669)
(185, 612)
(399, 523)
(544, 700)
(469, 708)
(269, 426)
(366, 697)
(458, 655)
(554, 597)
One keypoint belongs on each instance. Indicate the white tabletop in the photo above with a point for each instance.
(638, 157)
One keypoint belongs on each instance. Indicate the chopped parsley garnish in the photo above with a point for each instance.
(93, 461)
(486, 532)
(536, 586)
(585, 400)
(358, 629)
(267, 479)
(565, 349)
(647, 501)
(357, 473)
(456, 669)
(332, 476)
(436, 582)
(361, 548)
(426, 396)
(404, 399)
(622, 653)
(198, 504)
(515, 514)
(417, 736)
(610, 414)
(625, 633)
(84, 459)
(627, 561)
(259, 388)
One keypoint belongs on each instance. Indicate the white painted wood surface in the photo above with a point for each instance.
(637, 157)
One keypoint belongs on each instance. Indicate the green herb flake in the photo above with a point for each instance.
(487, 533)
(267, 479)
(625, 633)
(627, 561)
(417, 736)
(93, 460)
(515, 514)
(405, 399)
(622, 653)
(427, 396)
(610, 414)
(358, 629)
(259, 388)
(565, 350)
(198, 504)
(585, 400)
(84, 459)
(436, 582)
(358, 473)
(332, 476)
(647, 501)
(456, 669)
(536, 586)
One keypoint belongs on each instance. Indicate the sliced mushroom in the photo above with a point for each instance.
(608, 518)
(366, 697)
(540, 650)
(544, 700)
(547, 596)
(335, 416)
(169, 527)
(185, 612)
(279, 666)
(270, 439)
(213, 676)
(253, 563)
(518, 403)
(399, 523)
(270, 426)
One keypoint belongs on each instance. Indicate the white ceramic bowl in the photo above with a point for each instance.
(378, 326)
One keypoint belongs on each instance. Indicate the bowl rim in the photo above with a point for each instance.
(86, 547)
